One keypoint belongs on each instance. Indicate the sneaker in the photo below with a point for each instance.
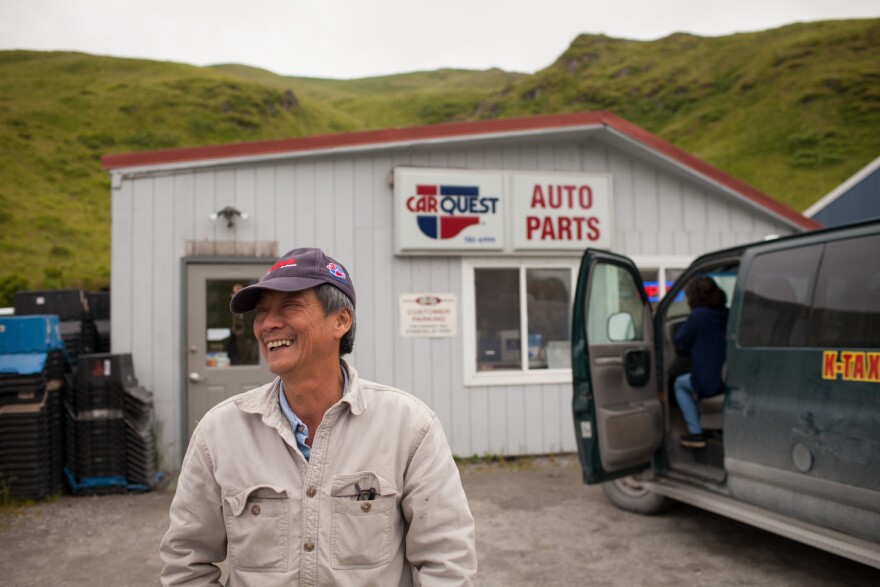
(693, 440)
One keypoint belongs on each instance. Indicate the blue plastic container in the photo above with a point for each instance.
(30, 334)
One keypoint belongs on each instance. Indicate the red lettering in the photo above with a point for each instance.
(422, 204)
(569, 190)
(859, 367)
(593, 224)
(579, 221)
(547, 229)
(565, 229)
(847, 364)
(538, 197)
(874, 366)
(555, 196)
(532, 224)
(829, 361)
(585, 195)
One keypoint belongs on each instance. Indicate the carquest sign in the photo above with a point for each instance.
(561, 211)
(448, 210)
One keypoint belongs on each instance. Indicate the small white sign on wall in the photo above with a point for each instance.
(428, 315)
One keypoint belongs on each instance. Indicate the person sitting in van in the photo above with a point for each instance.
(701, 337)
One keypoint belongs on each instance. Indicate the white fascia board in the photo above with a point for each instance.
(847, 185)
(693, 172)
(161, 168)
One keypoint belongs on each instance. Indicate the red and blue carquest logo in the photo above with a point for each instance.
(443, 211)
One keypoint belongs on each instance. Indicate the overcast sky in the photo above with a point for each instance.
(358, 38)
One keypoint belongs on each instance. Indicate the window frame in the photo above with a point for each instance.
(475, 378)
(524, 375)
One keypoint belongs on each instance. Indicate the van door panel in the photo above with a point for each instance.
(618, 415)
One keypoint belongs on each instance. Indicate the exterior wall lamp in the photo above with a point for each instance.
(229, 214)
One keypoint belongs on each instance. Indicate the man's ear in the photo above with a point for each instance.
(343, 322)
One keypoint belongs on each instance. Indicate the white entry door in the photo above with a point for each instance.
(223, 357)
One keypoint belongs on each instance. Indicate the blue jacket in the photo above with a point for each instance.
(702, 336)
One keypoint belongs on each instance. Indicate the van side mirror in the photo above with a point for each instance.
(621, 327)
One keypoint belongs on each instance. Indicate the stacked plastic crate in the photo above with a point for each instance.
(78, 330)
(33, 365)
(140, 443)
(99, 307)
(110, 442)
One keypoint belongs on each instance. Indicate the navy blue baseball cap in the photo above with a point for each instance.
(297, 270)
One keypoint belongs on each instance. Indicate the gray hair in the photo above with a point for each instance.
(332, 300)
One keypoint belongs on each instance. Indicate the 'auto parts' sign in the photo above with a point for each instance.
(561, 211)
(448, 210)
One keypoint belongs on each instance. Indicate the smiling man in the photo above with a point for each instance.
(319, 477)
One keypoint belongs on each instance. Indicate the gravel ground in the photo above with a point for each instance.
(536, 525)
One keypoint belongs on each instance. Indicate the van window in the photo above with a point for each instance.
(613, 291)
(775, 310)
(724, 277)
(846, 307)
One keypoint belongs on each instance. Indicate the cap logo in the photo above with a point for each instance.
(281, 265)
(336, 271)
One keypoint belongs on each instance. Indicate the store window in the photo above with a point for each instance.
(522, 315)
(517, 315)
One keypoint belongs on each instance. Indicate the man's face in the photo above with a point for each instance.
(295, 334)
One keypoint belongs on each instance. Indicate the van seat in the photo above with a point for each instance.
(712, 412)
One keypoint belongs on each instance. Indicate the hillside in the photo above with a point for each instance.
(59, 112)
(409, 99)
(793, 111)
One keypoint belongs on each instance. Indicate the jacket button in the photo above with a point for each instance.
(311, 491)
(255, 510)
(366, 506)
(309, 546)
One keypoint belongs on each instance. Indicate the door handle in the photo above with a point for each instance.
(637, 365)
(195, 377)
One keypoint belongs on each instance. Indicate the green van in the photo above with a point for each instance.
(793, 443)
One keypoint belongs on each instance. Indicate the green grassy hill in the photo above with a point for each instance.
(59, 112)
(793, 111)
(409, 99)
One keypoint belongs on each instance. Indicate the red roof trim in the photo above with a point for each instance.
(351, 139)
(460, 129)
(687, 160)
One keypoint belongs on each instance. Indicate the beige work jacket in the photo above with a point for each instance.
(246, 490)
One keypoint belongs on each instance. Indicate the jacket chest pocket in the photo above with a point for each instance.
(363, 530)
(257, 528)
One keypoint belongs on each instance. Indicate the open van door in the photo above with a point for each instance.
(618, 417)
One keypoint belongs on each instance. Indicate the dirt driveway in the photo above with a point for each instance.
(536, 525)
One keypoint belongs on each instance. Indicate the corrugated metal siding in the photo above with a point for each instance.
(344, 205)
(860, 202)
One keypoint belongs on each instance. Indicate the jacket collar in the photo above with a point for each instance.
(264, 400)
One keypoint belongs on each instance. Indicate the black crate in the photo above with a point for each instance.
(103, 329)
(80, 337)
(67, 304)
(96, 397)
(32, 447)
(99, 304)
(104, 368)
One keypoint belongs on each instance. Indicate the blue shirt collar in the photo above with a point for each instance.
(300, 430)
